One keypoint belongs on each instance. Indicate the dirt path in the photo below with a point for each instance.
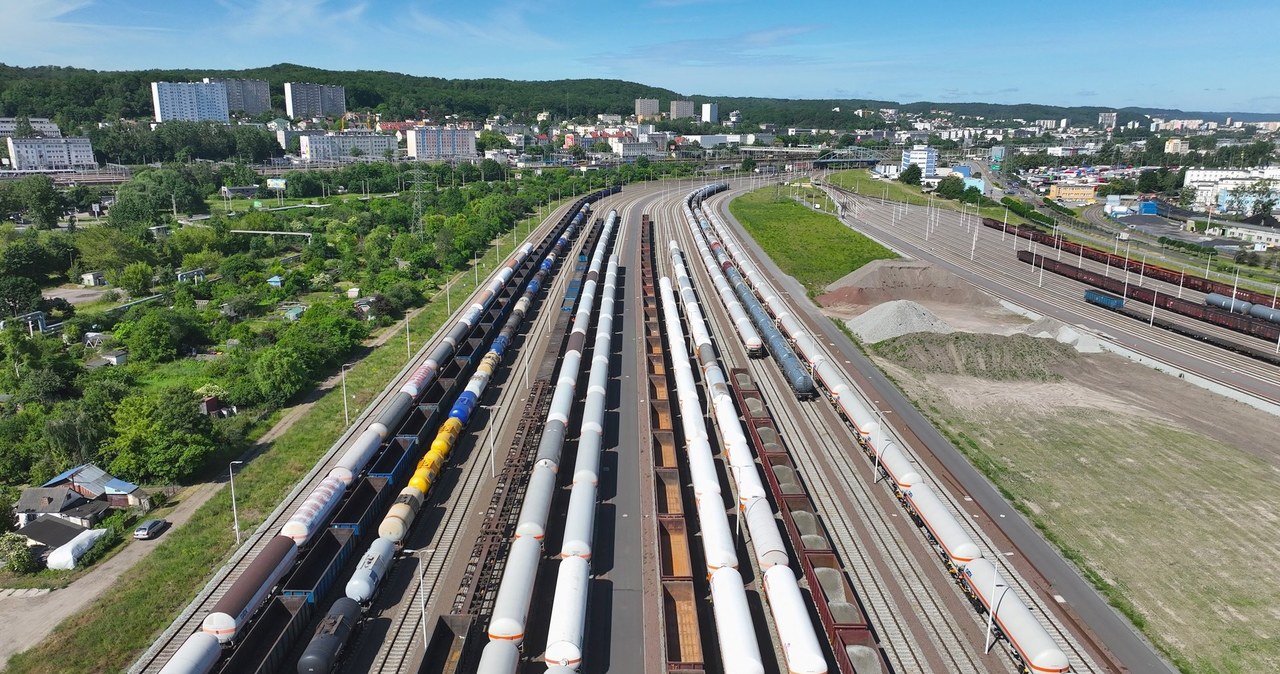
(28, 620)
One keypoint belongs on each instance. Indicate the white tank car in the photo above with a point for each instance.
(1025, 633)
(937, 518)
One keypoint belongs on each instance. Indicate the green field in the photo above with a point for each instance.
(814, 247)
(109, 634)
(861, 182)
(1177, 529)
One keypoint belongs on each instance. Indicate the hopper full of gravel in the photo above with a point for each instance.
(894, 319)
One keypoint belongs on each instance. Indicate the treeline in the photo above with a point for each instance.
(1258, 153)
(75, 96)
(182, 141)
(1027, 211)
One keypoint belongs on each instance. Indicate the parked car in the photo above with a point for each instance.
(149, 529)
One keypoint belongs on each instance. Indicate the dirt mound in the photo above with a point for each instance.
(996, 357)
(893, 319)
(885, 280)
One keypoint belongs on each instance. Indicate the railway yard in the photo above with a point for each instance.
(639, 447)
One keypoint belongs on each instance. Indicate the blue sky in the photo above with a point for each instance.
(1176, 53)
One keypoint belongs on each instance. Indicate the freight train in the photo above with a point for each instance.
(225, 624)
(796, 631)
(1030, 644)
(1182, 279)
(1239, 319)
(509, 620)
(1117, 304)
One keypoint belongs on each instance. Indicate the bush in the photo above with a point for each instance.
(16, 555)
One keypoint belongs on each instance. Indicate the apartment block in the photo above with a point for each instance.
(42, 126)
(304, 99)
(252, 97)
(683, 109)
(46, 154)
(345, 146)
(440, 142)
(190, 101)
(646, 107)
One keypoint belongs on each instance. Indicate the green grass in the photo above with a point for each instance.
(110, 634)
(814, 247)
(1177, 550)
(860, 181)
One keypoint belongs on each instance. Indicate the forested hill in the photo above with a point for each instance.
(75, 96)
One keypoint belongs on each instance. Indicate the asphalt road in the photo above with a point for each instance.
(1119, 635)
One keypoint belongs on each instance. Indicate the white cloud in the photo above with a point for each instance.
(505, 26)
(45, 31)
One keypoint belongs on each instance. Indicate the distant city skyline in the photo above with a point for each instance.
(1171, 54)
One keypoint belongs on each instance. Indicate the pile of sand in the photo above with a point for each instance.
(894, 319)
(1051, 328)
(884, 280)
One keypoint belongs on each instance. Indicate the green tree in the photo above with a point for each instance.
(135, 279)
(160, 437)
(950, 187)
(17, 555)
(18, 295)
(42, 201)
(748, 164)
(280, 374)
(910, 175)
(22, 127)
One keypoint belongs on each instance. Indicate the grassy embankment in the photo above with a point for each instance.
(812, 246)
(112, 631)
(1153, 514)
(861, 182)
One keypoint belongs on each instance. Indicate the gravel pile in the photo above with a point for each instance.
(894, 319)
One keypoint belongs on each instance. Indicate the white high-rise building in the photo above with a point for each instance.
(923, 156)
(45, 154)
(682, 109)
(440, 142)
(190, 101)
(351, 145)
(252, 97)
(710, 113)
(1107, 120)
(304, 99)
(646, 107)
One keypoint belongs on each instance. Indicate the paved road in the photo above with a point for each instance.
(1116, 631)
(28, 620)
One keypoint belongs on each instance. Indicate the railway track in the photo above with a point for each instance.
(901, 598)
(952, 243)
(842, 470)
(155, 657)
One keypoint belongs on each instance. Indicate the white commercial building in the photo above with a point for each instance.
(345, 146)
(718, 139)
(629, 149)
(683, 109)
(190, 101)
(45, 154)
(710, 113)
(41, 126)
(440, 142)
(646, 107)
(252, 97)
(923, 156)
(304, 99)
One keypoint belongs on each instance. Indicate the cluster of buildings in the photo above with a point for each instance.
(45, 148)
(649, 109)
(1214, 188)
(214, 100)
(51, 515)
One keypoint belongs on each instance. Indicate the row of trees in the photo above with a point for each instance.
(181, 141)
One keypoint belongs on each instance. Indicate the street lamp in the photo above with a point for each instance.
(422, 593)
(235, 515)
(346, 414)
